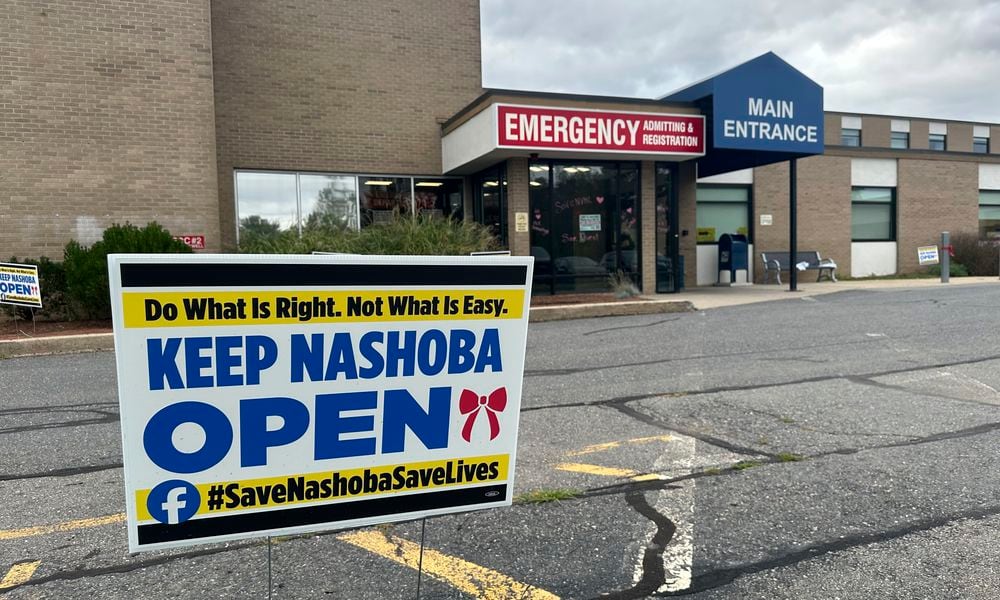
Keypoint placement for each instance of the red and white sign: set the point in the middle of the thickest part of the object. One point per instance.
(536, 127)
(196, 242)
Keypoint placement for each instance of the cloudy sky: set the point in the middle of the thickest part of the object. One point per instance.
(914, 58)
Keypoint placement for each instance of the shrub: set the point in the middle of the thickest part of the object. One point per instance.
(402, 235)
(980, 258)
(955, 269)
(87, 268)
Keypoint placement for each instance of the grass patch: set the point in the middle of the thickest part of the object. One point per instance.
(712, 471)
(788, 457)
(787, 420)
(543, 496)
(743, 465)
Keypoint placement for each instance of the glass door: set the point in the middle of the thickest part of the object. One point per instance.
(584, 224)
(669, 271)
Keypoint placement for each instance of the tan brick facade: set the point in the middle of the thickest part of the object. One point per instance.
(109, 119)
(338, 85)
(934, 196)
(823, 209)
(518, 200)
(875, 131)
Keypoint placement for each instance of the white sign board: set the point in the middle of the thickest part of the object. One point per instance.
(19, 285)
(266, 395)
(590, 222)
(766, 220)
(927, 255)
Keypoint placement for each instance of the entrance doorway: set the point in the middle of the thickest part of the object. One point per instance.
(584, 225)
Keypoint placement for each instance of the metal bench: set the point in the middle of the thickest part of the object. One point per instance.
(776, 262)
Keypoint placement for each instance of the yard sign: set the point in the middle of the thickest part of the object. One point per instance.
(265, 395)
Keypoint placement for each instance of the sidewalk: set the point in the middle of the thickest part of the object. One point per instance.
(702, 298)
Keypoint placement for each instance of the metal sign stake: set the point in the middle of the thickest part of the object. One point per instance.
(269, 585)
(420, 560)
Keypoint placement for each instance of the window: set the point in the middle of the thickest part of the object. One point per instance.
(722, 209)
(438, 198)
(270, 202)
(873, 214)
(329, 201)
(900, 139)
(989, 215)
(491, 200)
(981, 145)
(937, 141)
(850, 137)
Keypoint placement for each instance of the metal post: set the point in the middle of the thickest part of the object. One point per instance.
(793, 238)
(945, 257)
(420, 561)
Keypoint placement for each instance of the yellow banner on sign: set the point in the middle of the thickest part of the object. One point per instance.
(258, 307)
(290, 490)
(706, 234)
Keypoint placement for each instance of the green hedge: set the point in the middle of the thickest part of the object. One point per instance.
(86, 268)
(403, 235)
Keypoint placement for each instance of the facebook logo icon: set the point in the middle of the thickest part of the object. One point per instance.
(173, 501)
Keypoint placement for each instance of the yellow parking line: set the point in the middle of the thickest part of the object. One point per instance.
(610, 445)
(473, 579)
(19, 574)
(606, 471)
(13, 534)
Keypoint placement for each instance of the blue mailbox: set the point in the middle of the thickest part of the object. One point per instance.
(734, 256)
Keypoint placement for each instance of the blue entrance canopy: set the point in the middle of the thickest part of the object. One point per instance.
(760, 112)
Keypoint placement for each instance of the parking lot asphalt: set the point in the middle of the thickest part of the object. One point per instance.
(841, 445)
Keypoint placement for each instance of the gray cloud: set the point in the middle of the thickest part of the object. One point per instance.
(919, 58)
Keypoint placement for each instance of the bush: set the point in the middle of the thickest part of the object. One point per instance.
(980, 258)
(403, 235)
(955, 269)
(55, 301)
(86, 269)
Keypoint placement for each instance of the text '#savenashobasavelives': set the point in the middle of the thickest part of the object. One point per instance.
(254, 407)
(180, 309)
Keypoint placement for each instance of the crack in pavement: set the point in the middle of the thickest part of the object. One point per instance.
(127, 567)
(721, 577)
(24, 410)
(653, 575)
(646, 363)
(104, 418)
(701, 437)
(762, 386)
(643, 326)
(862, 380)
(67, 472)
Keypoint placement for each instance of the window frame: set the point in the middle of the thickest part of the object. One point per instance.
(855, 134)
(892, 212)
(903, 136)
(985, 143)
(995, 203)
(933, 137)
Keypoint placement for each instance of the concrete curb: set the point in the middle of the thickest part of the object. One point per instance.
(57, 344)
(564, 312)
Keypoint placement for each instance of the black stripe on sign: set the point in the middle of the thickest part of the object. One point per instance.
(194, 529)
(300, 274)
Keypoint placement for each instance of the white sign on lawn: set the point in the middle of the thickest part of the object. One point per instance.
(277, 395)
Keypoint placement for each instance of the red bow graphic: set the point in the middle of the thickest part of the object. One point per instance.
(470, 403)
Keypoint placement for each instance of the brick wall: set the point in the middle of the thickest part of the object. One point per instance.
(934, 196)
(823, 207)
(518, 200)
(105, 116)
(338, 85)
